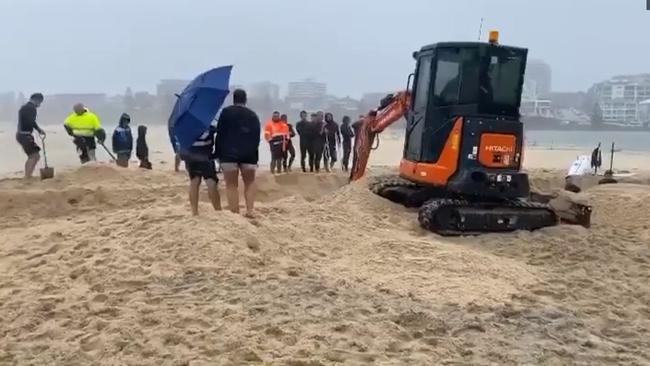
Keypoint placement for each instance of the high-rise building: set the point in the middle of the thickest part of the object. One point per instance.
(306, 94)
(620, 97)
(537, 81)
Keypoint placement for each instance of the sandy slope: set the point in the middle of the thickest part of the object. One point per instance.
(104, 267)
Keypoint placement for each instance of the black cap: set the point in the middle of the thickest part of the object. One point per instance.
(37, 96)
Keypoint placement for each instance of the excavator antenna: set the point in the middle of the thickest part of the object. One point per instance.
(480, 29)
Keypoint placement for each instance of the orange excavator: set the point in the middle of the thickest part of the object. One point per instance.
(463, 146)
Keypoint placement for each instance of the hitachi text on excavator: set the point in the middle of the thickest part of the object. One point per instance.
(462, 158)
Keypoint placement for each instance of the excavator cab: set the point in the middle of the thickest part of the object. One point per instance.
(463, 129)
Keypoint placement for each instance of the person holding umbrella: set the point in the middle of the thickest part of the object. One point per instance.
(191, 128)
(199, 163)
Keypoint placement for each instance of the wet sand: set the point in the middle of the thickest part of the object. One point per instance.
(102, 266)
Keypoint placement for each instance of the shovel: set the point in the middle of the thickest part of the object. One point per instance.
(108, 151)
(46, 171)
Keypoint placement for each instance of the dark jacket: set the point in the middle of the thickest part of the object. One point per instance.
(332, 132)
(302, 128)
(238, 135)
(346, 132)
(27, 119)
(141, 148)
(122, 136)
(202, 149)
(292, 132)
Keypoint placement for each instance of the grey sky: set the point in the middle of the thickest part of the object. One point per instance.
(355, 46)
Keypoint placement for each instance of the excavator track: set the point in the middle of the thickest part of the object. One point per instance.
(449, 215)
(454, 217)
(400, 190)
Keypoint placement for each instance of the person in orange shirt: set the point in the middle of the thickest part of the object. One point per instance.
(276, 132)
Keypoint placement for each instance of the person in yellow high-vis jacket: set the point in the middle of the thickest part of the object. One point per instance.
(84, 126)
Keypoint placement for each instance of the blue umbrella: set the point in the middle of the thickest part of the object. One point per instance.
(197, 106)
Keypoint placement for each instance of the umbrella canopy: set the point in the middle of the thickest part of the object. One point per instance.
(197, 106)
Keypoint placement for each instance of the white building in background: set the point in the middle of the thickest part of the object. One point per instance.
(536, 108)
(620, 98)
(644, 112)
(536, 88)
(306, 94)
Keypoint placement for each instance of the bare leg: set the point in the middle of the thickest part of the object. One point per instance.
(248, 176)
(30, 164)
(177, 162)
(195, 183)
(213, 193)
(232, 189)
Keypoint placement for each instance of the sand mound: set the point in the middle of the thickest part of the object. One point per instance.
(104, 187)
(326, 274)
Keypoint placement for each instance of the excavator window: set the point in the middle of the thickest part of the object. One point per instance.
(423, 82)
(504, 75)
(419, 106)
(447, 82)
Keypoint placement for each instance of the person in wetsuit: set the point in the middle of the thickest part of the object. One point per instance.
(318, 141)
(305, 133)
(356, 128)
(142, 149)
(346, 136)
(332, 139)
(25, 132)
(290, 151)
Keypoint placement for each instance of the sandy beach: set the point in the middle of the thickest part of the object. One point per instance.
(104, 266)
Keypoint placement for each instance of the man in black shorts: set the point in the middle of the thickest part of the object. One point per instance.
(199, 162)
(25, 133)
(238, 141)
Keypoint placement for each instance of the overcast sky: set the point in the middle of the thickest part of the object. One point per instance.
(354, 46)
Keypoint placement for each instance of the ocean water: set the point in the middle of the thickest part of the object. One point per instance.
(625, 141)
(61, 152)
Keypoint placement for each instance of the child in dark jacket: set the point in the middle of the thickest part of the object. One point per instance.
(141, 148)
(123, 141)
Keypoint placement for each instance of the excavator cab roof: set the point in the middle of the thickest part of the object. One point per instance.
(476, 77)
(484, 45)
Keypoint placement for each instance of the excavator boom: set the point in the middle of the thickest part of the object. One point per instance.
(392, 110)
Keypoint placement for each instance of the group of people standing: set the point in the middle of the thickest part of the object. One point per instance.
(233, 142)
(319, 138)
(86, 131)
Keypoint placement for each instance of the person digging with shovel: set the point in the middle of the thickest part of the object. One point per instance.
(83, 126)
(25, 132)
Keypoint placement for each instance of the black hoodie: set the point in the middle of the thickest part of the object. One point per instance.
(141, 148)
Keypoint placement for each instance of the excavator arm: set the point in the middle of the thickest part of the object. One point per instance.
(392, 108)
